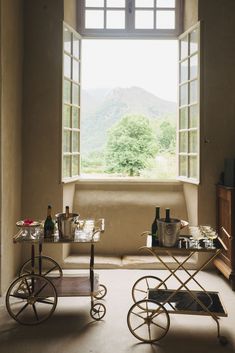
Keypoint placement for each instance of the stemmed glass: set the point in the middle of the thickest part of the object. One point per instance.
(209, 234)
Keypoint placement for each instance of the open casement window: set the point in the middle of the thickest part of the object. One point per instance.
(129, 18)
(71, 104)
(189, 110)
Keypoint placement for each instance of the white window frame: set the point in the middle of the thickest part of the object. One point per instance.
(129, 31)
(187, 154)
(71, 154)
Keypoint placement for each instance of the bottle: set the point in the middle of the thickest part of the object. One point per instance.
(167, 219)
(154, 230)
(48, 224)
(67, 212)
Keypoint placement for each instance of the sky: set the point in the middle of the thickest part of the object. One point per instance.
(149, 64)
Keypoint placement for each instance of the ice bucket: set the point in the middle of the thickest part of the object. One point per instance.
(168, 232)
(66, 225)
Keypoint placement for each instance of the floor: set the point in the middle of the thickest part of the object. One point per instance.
(72, 330)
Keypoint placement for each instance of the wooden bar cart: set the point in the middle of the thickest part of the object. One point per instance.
(32, 297)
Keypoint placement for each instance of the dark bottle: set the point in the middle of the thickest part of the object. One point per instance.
(67, 212)
(154, 230)
(48, 224)
(168, 219)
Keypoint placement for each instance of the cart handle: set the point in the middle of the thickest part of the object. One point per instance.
(222, 243)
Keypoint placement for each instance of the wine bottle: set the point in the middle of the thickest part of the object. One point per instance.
(67, 212)
(49, 224)
(154, 230)
(168, 219)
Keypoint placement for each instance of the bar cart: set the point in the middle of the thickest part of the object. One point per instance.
(148, 318)
(32, 297)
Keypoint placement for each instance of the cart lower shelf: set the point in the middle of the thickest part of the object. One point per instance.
(183, 303)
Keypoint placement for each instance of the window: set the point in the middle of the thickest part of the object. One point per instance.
(188, 128)
(71, 105)
(115, 18)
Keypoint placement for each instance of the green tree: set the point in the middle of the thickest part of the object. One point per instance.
(167, 137)
(131, 145)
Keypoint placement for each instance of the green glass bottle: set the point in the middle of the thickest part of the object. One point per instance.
(154, 229)
(48, 224)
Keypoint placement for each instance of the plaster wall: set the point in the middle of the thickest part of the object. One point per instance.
(190, 13)
(217, 99)
(11, 122)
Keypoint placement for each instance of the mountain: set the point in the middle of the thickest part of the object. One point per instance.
(101, 109)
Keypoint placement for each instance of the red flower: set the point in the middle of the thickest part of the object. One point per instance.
(28, 221)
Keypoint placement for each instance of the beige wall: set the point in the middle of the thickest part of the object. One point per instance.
(190, 13)
(11, 116)
(42, 107)
(217, 98)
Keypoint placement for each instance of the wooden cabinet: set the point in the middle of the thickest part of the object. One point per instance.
(225, 262)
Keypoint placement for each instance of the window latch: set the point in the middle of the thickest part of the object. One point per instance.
(130, 6)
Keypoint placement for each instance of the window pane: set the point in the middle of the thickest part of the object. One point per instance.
(193, 116)
(94, 19)
(115, 19)
(76, 52)
(67, 110)
(67, 141)
(75, 70)
(184, 71)
(193, 144)
(75, 94)
(193, 167)
(183, 94)
(75, 141)
(144, 3)
(67, 40)
(66, 166)
(75, 165)
(184, 47)
(67, 91)
(67, 66)
(165, 3)
(193, 91)
(183, 166)
(193, 66)
(75, 112)
(165, 19)
(184, 118)
(94, 3)
(143, 19)
(183, 141)
(193, 38)
(115, 3)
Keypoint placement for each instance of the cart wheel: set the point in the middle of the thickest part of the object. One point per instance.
(142, 285)
(223, 340)
(31, 299)
(102, 291)
(97, 312)
(148, 320)
(49, 267)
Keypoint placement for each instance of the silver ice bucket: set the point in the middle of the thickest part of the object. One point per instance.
(168, 232)
(67, 226)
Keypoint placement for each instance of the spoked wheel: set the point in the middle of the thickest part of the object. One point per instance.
(49, 267)
(31, 299)
(102, 291)
(148, 320)
(141, 287)
(97, 312)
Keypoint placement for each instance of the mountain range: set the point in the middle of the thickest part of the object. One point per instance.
(102, 108)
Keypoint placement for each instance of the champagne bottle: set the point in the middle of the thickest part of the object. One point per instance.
(67, 212)
(48, 224)
(154, 230)
(168, 219)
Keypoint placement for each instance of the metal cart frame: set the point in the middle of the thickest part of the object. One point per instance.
(32, 297)
(148, 318)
